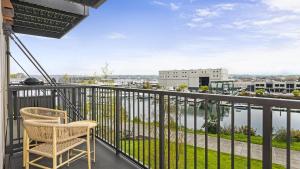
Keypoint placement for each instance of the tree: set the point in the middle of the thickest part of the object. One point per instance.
(204, 89)
(106, 71)
(296, 93)
(182, 87)
(260, 92)
(147, 85)
(66, 78)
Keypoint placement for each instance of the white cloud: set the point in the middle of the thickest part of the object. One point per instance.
(277, 20)
(200, 15)
(199, 25)
(160, 3)
(174, 7)
(205, 13)
(287, 5)
(225, 6)
(171, 6)
(116, 36)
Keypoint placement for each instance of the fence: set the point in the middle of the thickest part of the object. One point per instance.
(160, 129)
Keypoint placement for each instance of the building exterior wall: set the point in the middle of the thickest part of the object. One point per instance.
(173, 78)
(3, 91)
(271, 86)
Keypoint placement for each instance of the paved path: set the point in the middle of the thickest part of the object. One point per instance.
(278, 154)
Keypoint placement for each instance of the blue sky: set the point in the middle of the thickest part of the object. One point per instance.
(145, 36)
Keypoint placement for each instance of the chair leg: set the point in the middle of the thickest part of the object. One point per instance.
(94, 139)
(54, 162)
(68, 157)
(88, 146)
(26, 156)
(60, 159)
(24, 147)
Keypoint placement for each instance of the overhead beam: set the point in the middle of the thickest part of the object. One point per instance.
(49, 18)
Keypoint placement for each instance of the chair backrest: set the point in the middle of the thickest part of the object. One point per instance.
(40, 113)
(44, 130)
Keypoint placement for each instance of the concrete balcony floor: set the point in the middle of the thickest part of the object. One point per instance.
(105, 159)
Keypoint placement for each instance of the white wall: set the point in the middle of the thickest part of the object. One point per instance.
(3, 91)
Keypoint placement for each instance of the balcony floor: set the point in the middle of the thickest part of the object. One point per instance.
(105, 159)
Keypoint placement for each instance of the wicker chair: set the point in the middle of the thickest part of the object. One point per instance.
(40, 113)
(57, 140)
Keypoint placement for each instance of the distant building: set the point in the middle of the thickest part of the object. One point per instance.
(270, 86)
(193, 78)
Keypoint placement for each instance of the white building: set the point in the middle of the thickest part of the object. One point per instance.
(193, 78)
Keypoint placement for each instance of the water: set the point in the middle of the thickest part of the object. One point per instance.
(279, 117)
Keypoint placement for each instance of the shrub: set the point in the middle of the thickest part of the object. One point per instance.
(244, 130)
(211, 125)
(204, 88)
(281, 135)
(296, 93)
(147, 85)
(182, 87)
(244, 93)
(260, 92)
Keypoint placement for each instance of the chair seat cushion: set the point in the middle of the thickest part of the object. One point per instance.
(45, 149)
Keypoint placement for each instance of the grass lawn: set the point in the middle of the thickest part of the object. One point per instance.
(258, 140)
(240, 162)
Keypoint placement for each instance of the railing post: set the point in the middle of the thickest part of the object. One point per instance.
(10, 121)
(117, 130)
(161, 132)
(267, 137)
(74, 113)
(53, 98)
(93, 110)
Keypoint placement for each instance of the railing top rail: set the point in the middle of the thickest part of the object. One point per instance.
(286, 103)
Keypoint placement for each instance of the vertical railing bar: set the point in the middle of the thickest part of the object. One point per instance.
(169, 131)
(149, 130)
(155, 128)
(102, 113)
(185, 133)
(106, 116)
(195, 133)
(206, 133)
(133, 109)
(267, 137)
(161, 131)
(121, 122)
(125, 107)
(117, 121)
(138, 123)
(218, 136)
(176, 134)
(232, 134)
(143, 129)
(288, 142)
(249, 137)
(129, 121)
(112, 111)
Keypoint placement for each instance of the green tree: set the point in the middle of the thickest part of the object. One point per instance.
(147, 85)
(66, 78)
(260, 92)
(182, 87)
(296, 93)
(204, 89)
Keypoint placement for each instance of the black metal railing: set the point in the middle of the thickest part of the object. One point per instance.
(166, 130)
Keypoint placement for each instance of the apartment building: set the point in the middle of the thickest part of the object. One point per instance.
(194, 78)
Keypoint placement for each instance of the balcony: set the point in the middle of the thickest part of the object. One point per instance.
(161, 129)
